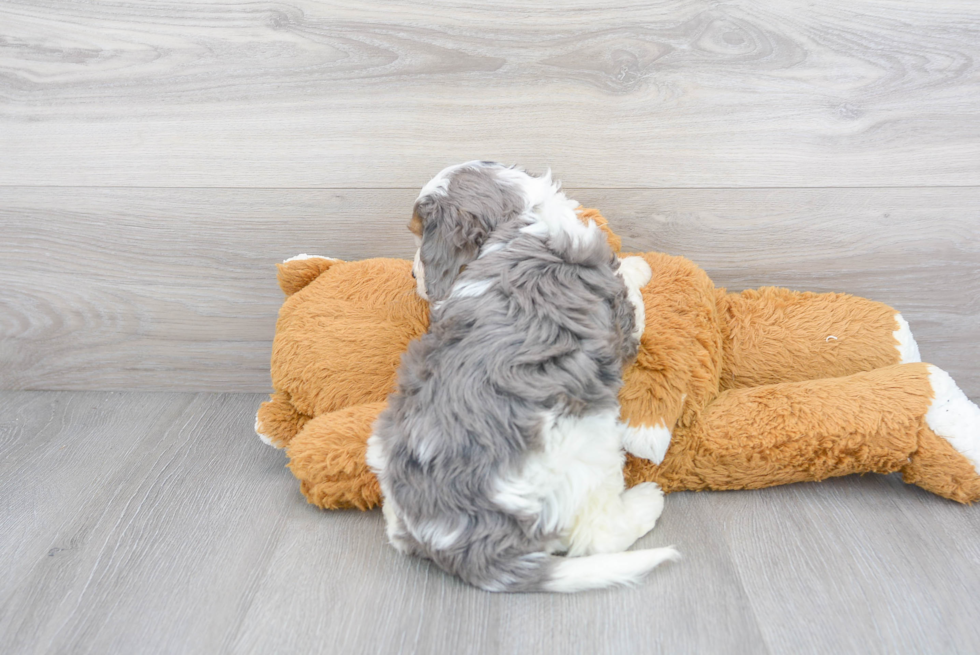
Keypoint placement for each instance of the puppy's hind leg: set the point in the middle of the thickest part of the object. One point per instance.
(609, 524)
(613, 519)
(644, 503)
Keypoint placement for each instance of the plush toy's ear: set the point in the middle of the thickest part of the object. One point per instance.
(588, 214)
(296, 272)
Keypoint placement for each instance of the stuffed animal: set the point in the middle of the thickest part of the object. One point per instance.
(744, 390)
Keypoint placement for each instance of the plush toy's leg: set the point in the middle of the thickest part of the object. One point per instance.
(297, 272)
(277, 420)
(774, 335)
(908, 417)
(947, 461)
(328, 458)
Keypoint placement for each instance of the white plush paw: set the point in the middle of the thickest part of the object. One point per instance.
(305, 256)
(908, 349)
(266, 439)
(647, 441)
(953, 416)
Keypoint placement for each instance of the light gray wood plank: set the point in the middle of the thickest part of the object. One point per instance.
(195, 540)
(612, 94)
(174, 289)
(697, 605)
(159, 551)
(161, 524)
(369, 598)
(857, 564)
(46, 440)
(165, 289)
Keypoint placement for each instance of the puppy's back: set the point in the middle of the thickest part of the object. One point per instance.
(536, 328)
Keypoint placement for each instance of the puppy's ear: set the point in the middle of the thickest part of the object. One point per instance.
(451, 239)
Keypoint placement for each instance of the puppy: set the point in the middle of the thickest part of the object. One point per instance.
(502, 444)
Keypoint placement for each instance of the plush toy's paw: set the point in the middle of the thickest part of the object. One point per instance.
(297, 272)
(947, 460)
(908, 349)
(636, 274)
(953, 417)
(647, 441)
(302, 257)
(266, 439)
(277, 421)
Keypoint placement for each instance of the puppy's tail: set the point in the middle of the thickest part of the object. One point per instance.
(543, 572)
(571, 574)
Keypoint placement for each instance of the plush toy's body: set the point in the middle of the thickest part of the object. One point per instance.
(753, 389)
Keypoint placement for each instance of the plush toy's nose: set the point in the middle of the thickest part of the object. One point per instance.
(413, 274)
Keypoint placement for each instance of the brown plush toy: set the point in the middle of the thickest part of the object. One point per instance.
(747, 390)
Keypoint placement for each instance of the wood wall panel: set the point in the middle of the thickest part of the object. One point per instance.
(174, 289)
(334, 94)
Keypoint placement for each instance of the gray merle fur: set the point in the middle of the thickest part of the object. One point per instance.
(551, 333)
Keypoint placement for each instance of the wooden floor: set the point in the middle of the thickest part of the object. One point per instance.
(157, 160)
(158, 523)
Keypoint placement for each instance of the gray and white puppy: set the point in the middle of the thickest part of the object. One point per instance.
(502, 444)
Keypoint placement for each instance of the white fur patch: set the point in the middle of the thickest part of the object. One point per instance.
(305, 256)
(394, 525)
(439, 185)
(597, 571)
(954, 417)
(470, 289)
(492, 248)
(908, 349)
(377, 460)
(610, 522)
(636, 274)
(647, 441)
(266, 439)
(375, 457)
(421, 445)
(418, 269)
(551, 212)
(574, 487)
(438, 534)
(581, 457)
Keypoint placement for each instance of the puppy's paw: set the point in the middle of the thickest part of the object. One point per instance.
(645, 502)
(647, 441)
(635, 271)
